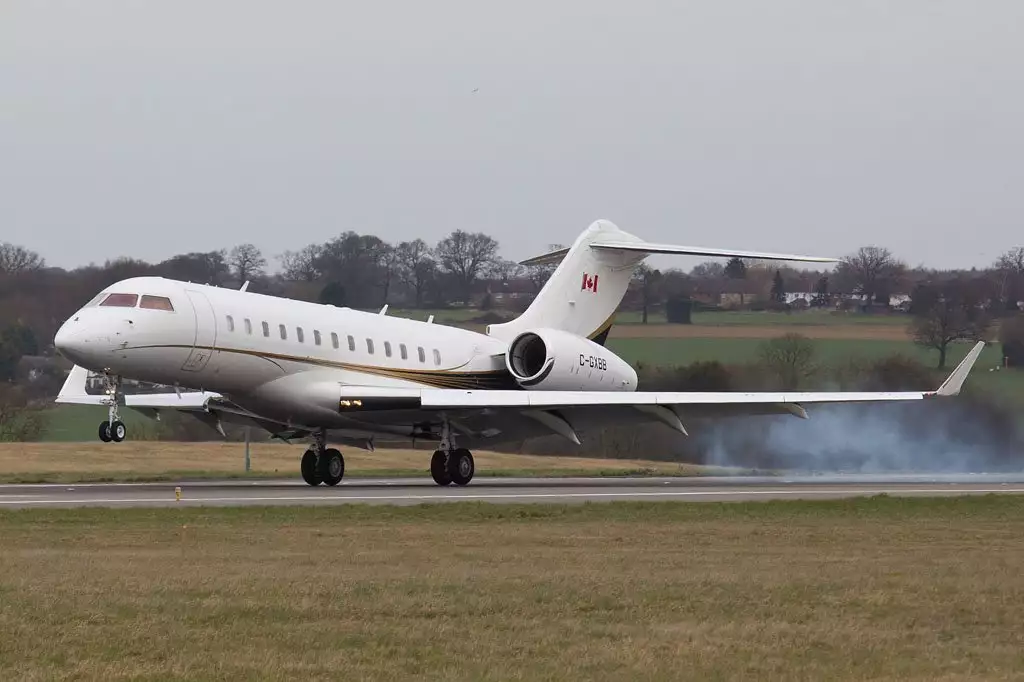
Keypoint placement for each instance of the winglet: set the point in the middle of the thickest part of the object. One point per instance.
(952, 385)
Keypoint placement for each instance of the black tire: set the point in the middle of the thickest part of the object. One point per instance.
(439, 468)
(332, 467)
(310, 474)
(461, 466)
(118, 431)
(105, 431)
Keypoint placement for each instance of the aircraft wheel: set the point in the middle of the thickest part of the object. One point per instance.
(310, 474)
(461, 466)
(439, 468)
(118, 431)
(105, 432)
(331, 467)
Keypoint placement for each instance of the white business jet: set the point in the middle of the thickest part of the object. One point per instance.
(303, 370)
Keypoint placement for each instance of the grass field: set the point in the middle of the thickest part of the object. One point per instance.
(164, 461)
(921, 589)
(719, 318)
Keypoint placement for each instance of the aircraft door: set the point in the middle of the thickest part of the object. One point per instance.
(206, 332)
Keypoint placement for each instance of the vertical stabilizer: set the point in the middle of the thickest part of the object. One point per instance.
(585, 290)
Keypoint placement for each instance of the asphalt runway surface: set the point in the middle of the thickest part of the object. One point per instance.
(407, 491)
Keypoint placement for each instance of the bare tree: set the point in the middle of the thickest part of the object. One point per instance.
(790, 358)
(20, 420)
(15, 259)
(540, 274)
(416, 267)
(209, 267)
(504, 270)
(648, 279)
(301, 265)
(465, 255)
(952, 311)
(872, 272)
(389, 267)
(247, 261)
(1010, 267)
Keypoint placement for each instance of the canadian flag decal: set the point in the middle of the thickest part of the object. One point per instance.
(589, 282)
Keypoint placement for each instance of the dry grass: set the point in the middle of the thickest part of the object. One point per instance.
(894, 589)
(153, 460)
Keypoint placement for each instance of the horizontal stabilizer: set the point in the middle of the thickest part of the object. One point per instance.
(549, 258)
(649, 247)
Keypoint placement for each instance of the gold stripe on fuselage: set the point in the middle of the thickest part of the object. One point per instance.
(438, 378)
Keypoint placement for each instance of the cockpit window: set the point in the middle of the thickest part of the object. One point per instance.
(121, 300)
(156, 303)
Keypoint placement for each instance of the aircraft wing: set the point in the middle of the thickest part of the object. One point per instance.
(73, 393)
(562, 411)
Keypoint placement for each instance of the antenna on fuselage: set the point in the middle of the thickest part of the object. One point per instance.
(245, 286)
(384, 310)
(430, 319)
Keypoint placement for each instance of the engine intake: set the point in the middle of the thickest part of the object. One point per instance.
(554, 360)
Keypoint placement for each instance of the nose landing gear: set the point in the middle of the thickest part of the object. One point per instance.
(113, 429)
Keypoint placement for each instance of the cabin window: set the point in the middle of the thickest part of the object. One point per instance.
(266, 329)
(284, 331)
(156, 303)
(423, 355)
(403, 351)
(121, 300)
(316, 336)
(369, 346)
(351, 343)
(437, 357)
(231, 323)
(387, 348)
(248, 326)
(334, 339)
(299, 335)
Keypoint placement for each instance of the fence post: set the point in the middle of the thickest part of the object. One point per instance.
(246, 449)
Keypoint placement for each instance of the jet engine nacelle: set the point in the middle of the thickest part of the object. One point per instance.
(554, 360)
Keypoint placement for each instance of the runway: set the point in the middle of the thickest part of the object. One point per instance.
(408, 491)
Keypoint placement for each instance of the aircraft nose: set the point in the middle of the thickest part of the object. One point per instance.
(72, 341)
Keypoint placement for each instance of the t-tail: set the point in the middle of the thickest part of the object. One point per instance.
(592, 277)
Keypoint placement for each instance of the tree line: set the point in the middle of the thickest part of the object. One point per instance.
(466, 268)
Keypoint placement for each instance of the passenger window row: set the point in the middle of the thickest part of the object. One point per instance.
(300, 336)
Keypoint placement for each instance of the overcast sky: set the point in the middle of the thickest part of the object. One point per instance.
(150, 128)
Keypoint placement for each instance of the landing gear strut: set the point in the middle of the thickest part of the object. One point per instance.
(113, 429)
(450, 464)
(321, 464)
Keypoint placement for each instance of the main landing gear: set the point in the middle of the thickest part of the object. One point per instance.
(451, 464)
(321, 464)
(113, 429)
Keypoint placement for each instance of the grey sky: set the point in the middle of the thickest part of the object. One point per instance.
(149, 128)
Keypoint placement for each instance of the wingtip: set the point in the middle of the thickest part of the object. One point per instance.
(952, 385)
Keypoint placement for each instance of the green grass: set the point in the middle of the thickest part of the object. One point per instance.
(74, 423)
(883, 588)
(731, 318)
(665, 351)
(1006, 384)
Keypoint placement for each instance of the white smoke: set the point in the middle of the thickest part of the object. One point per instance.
(952, 437)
